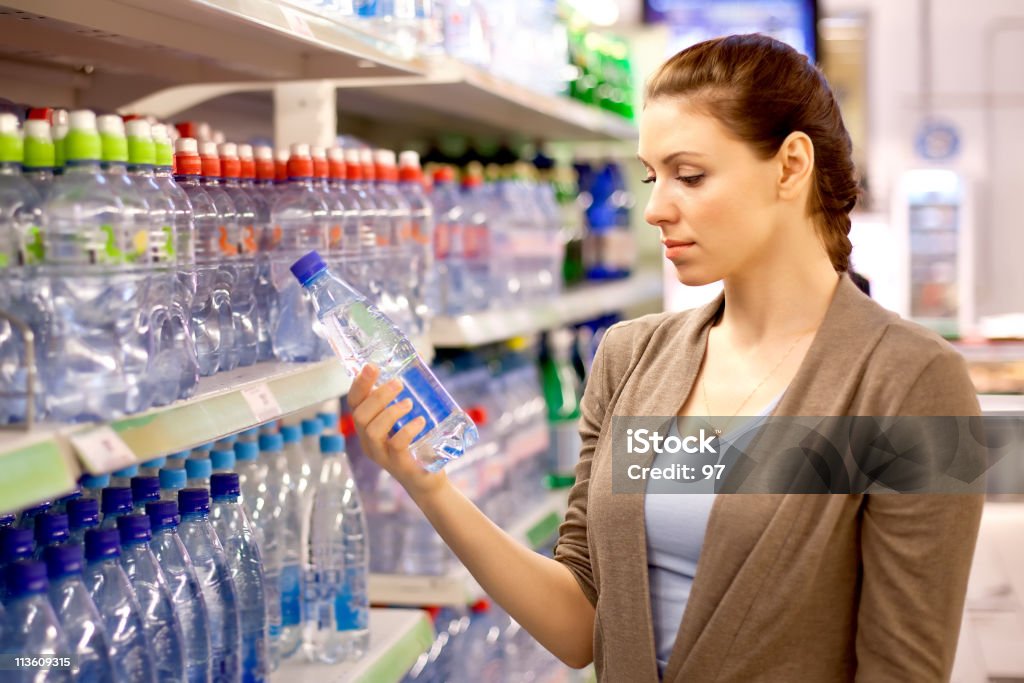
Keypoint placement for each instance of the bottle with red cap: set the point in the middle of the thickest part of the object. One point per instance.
(448, 242)
(300, 220)
(421, 222)
(351, 267)
(385, 260)
(476, 241)
(262, 190)
(243, 291)
(403, 251)
(374, 270)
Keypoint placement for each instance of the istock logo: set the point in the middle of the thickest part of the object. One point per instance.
(643, 441)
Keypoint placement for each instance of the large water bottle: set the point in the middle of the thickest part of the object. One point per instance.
(214, 574)
(243, 556)
(243, 294)
(296, 497)
(477, 249)
(405, 252)
(186, 593)
(262, 483)
(115, 600)
(83, 514)
(360, 334)
(78, 615)
(449, 231)
(372, 223)
(346, 259)
(260, 185)
(421, 212)
(116, 502)
(337, 602)
(160, 621)
(172, 480)
(31, 627)
(144, 490)
(51, 529)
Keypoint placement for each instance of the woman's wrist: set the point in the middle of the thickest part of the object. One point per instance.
(427, 487)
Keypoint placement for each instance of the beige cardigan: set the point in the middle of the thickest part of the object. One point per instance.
(788, 588)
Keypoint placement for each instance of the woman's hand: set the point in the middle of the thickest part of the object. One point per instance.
(374, 417)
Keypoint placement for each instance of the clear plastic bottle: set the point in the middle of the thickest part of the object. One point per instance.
(117, 502)
(360, 334)
(476, 244)
(39, 155)
(345, 254)
(404, 254)
(421, 212)
(78, 615)
(261, 188)
(112, 593)
(163, 630)
(144, 490)
(123, 476)
(262, 483)
(214, 574)
(31, 627)
(243, 556)
(186, 593)
(243, 294)
(296, 498)
(172, 480)
(372, 223)
(50, 529)
(336, 597)
(448, 243)
(83, 514)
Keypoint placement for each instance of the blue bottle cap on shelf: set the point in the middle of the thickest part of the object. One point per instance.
(95, 481)
(134, 529)
(63, 560)
(205, 448)
(51, 528)
(15, 544)
(193, 500)
(250, 433)
(116, 499)
(127, 472)
(37, 510)
(226, 443)
(6, 520)
(180, 455)
(332, 443)
(173, 479)
(271, 442)
(291, 433)
(224, 485)
(163, 514)
(329, 421)
(68, 498)
(102, 544)
(145, 489)
(198, 469)
(312, 427)
(223, 460)
(26, 577)
(155, 463)
(308, 267)
(246, 451)
(83, 513)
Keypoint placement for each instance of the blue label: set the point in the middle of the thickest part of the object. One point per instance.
(350, 613)
(291, 595)
(365, 8)
(427, 402)
(254, 666)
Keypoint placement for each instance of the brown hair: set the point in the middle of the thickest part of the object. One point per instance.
(762, 90)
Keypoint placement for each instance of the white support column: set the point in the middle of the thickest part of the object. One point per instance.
(305, 111)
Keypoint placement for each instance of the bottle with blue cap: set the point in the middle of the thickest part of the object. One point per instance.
(176, 461)
(261, 500)
(51, 529)
(336, 597)
(78, 615)
(123, 476)
(31, 627)
(144, 490)
(361, 334)
(296, 502)
(223, 460)
(7, 520)
(198, 469)
(83, 514)
(252, 434)
(243, 555)
(225, 444)
(163, 630)
(15, 545)
(112, 593)
(61, 504)
(151, 468)
(214, 574)
(116, 502)
(93, 485)
(172, 481)
(183, 584)
(28, 515)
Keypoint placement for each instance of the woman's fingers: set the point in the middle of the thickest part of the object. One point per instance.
(363, 385)
(404, 437)
(380, 426)
(375, 402)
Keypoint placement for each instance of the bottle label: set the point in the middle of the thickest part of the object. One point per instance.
(110, 254)
(247, 242)
(139, 247)
(291, 595)
(427, 401)
(169, 241)
(442, 241)
(34, 250)
(226, 247)
(351, 613)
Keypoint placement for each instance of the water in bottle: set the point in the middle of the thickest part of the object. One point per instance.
(344, 250)
(262, 484)
(405, 253)
(372, 225)
(183, 584)
(83, 514)
(115, 600)
(144, 490)
(421, 213)
(243, 556)
(160, 621)
(449, 229)
(78, 616)
(476, 244)
(218, 587)
(243, 293)
(360, 334)
(262, 190)
(31, 627)
(51, 529)
(116, 502)
(172, 481)
(296, 497)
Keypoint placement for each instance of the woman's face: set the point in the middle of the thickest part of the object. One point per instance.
(714, 201)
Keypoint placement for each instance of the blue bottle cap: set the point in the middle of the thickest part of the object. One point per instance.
(37, 510)
(26, 577)
(15, 544)
(180, 455)
(145, 489)
(163, 514)
(127, 472)
(68, 498)
(246, 451)
(155, 463)
(95, 481)
(205, 448)
(308, 267)
(198, 469)
(6, 520)
(83, 513)
(224, 485)
(226, 443)
(173, 479)
(63, 560)
(223, 460)
(329, 420)
(51, 528)
(116, 499)
(134, 529)
(312, 427)
(291, 433)
(193, 500)
(271, 442)
(250, 433)
(102, 544)
(332, 443)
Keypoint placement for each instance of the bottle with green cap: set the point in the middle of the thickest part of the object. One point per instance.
(39, 155)
(59, 130)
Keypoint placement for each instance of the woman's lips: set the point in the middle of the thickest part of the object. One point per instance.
(676, 248)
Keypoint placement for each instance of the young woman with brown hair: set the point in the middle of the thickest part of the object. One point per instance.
(753, 184)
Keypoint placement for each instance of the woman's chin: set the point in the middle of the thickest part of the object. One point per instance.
(695, 277)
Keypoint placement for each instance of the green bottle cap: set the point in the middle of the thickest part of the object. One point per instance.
(59, 134)
(164, 153)
(114, 148)
(141, 151)
(82, 143)
(39, 149)
(11, 145)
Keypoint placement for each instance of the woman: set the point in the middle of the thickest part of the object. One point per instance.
(752, 184)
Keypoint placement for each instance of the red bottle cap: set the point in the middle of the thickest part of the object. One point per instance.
(445, 174)
(40, 114)
(478, 414)
(300, 165)
(186, 157)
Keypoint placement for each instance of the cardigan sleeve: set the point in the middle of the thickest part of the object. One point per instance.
(916, 552)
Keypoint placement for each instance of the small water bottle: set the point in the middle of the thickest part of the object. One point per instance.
(172, 481)
(151, 468)
(83, 514)
(61, 504)
(223, 460)
(144, 490)
(51, 529)
(93, 484)
(7, 521)
(31, 627)
(123, 477)
(28, 515)
(117, 502)
(361, 334)
(15, 545)
(198, 470)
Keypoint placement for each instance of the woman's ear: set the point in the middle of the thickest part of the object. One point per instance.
(796, 163)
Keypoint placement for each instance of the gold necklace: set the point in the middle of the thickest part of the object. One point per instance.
(704, 386)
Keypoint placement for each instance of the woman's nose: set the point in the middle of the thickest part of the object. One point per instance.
(660, 210)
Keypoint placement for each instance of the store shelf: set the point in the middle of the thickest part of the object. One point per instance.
(397, 638)
(574, 306)
(1001, 404)
(459, 587)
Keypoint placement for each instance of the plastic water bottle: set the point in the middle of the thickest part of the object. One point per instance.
(31, 627)
(360, 334)
(262, 483)
(218, 587)
(160, 621)
(151, 468)
(144, 490)
(337, 621)
(172, 481)
(243, 293)
(112, 593)
(28, 515)
(183, 584)
(345, 256)
(93, 484)
(78, 615)
(448, 243)
(198, 470)
(243, 555)
(117, 502)
(372, 224)
(83, 514)
(39, 155)
(421, 212)
(51, 529)
(263, 193)
(61, 504)
(476, 244)
(296, 497)
(223, 460)
(15, 544)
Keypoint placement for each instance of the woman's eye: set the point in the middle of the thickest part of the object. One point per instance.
(648, 180)
(691, 180)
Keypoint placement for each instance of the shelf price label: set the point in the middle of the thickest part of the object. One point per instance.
(262, 402)
(102, 450)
